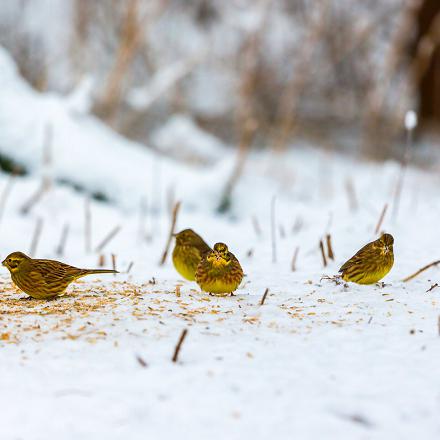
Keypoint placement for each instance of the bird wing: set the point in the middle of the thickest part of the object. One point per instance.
(54, 271)
(357, 258)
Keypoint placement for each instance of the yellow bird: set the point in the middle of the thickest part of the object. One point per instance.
(44, 279)
(187, 253)
(219, 272)
(370, 264)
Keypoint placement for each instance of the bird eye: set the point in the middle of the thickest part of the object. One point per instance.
(10, 260)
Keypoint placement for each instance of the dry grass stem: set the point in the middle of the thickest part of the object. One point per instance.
(36, 237)
(87, 226)
(256, 226)
(415, 274)
(63, 240)
(273, 229)
(351, 195)
(130, 266)
(263, 299)
(324, 259)
(109, 237)
(114, 263)
(179, 345)
(170, 235)
(294, 259)
(381, 218)
(330, 252)
(5, 194)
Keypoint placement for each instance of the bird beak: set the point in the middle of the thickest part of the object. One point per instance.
(4, 263)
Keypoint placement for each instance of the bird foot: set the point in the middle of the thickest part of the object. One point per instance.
(382, 285)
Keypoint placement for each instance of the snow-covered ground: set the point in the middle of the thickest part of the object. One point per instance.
(316, 361)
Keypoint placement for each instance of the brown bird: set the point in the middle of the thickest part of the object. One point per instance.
(44, 279)
(371, 263)
(219, 272)
(189, 250)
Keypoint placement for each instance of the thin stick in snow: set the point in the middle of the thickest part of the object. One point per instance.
(114, 263)
(109, 237)
(263, 299)
(295, 257)
(130, 266)
(428, 266)
(87, 226)
(179, 345)
(351, 194)
(330, 252)
(101, 260)
(63, 240)
(321, 247)
(36, 237)
(273, 229)
(256, 226)
(34, 199)
(170, 236)
(381, 218)
(141, 362)
(46, 180)
(5, 193)
(432, 287)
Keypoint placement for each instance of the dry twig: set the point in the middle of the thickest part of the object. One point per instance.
(273, 229)
(263, 299)
(130, 266)
(179, 345)
(381, 218)
(324, 259)
(432, 287)
(428, 266)
(87, 225)
(295, 257)
(170, 236)
(63, 240)
(36, 237)
(114, 263)
(330, 252)
(351, 194)
(256, 226)
(107, 239)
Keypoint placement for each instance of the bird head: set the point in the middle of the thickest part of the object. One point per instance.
(387, 242)
(187, 237)
(14, 260)
(220, 256)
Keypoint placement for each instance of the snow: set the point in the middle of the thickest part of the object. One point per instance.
(317, 360)
(181, 138)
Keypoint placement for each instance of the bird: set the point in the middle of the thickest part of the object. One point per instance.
(44, 279)
(188, 252)
(219, 271)
(371, 263)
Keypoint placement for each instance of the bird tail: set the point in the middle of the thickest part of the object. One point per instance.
(85, 272)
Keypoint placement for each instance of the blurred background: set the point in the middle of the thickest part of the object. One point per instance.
(339, 74)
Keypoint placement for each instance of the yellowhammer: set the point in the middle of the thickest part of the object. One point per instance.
(219, 272)
(370, 264)
(44, 279)
(188, 252)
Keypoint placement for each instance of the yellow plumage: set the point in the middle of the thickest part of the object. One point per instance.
(188, 252)
(371, 263)
(219, 272)
(44, 279)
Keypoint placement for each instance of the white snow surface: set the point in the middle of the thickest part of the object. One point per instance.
(317, 360)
